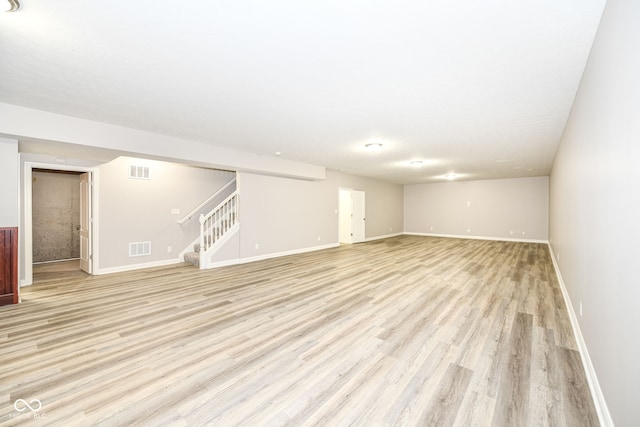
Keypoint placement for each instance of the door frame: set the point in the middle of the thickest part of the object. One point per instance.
(27, 218)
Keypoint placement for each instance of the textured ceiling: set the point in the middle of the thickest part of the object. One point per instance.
(482, 89)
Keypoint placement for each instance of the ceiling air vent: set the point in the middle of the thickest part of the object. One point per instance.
(139, 172)
(139, 249)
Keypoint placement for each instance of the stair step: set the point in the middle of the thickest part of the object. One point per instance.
(192, 258)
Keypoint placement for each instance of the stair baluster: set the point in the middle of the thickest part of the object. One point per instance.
(216, 224)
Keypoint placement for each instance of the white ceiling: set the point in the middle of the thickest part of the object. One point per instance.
(482, 89)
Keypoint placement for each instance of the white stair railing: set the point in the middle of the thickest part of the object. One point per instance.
(195, 210)
(215, 224)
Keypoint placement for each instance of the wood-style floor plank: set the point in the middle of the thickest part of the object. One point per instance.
(406, 331)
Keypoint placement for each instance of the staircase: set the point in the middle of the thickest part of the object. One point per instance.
(216, 227)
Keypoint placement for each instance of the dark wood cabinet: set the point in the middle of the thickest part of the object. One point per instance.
(8, 265)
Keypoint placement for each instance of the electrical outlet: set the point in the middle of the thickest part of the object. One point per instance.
(318, 238)
(257, 246)
(169, 249)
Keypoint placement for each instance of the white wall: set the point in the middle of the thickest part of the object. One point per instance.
(384, 203)
(288, 215)
(139, 210)
(280, 214)
(595, 208)
(9, 182)
(499, 208)
(28, 123)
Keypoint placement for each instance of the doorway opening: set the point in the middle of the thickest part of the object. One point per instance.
(351, 221)
(58, 227)
(55, 215)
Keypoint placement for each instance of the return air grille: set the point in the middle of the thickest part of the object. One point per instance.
(139, 172)
(139, 249)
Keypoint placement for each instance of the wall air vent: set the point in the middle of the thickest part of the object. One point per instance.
(139, 172)
(139, 249)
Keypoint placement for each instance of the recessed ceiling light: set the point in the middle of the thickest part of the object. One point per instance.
(450, 176)
(10, 5)
(374, 146)
(278, 153)
(416, 163)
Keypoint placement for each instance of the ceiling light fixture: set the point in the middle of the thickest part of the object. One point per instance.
(450, 176)
(416, 163)
(374, 146)
(11, 5)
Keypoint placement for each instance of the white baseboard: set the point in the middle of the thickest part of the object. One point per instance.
(386, 236)
(596, 392)
(271, 255)
(292, 252)
(461, 236)
(123, 268)
(285, 253)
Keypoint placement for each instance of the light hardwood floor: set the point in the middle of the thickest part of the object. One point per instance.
(412, 331)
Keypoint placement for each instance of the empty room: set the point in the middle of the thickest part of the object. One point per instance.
(326, 213)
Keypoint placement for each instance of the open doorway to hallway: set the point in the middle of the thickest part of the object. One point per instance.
(57, 221)
(55, 215)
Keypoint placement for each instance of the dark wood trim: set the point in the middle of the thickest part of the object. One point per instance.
(9, 265)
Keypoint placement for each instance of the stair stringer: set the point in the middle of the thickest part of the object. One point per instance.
(225, 250)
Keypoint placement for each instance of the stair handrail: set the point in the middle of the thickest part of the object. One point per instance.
(230, 208)
(195, 210)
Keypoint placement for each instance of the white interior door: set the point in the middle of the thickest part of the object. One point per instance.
(85, 223)
(358, 216)
(344, 220)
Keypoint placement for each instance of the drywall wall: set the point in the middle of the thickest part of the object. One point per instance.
(595, 206)
(55, 215)
(384, 205)
(499, 208)
(280, 215)
(9, 182)
(283, 215)
(140, 210)
(28, 123)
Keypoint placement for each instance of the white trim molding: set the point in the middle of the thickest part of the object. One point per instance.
(386, 236)
(272, 255)
(26, 222)
(596, 392)
(131, 267)
(462, 236)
